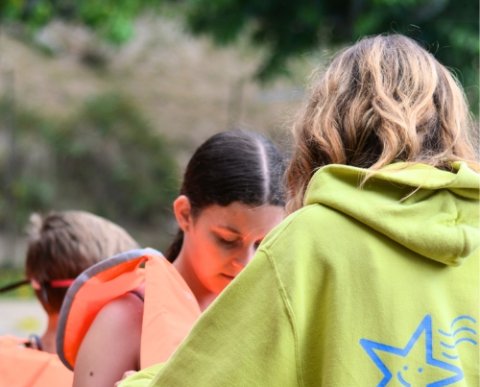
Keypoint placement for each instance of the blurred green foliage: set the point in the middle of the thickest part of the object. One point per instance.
(112, 19)
(447, 28)
(286, 29)
(105, 159)
(134, 171)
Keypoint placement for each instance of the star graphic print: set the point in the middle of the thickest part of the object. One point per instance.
(414, 364)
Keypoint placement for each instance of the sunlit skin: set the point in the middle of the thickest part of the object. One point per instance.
(219, 242)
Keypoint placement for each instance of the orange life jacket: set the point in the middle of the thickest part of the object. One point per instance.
(170, 308)
(25, 367)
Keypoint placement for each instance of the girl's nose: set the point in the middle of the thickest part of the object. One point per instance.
(246, 256)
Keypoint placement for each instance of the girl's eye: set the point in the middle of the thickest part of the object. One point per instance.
(228, 242)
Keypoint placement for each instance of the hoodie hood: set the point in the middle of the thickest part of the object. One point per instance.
(432, 212)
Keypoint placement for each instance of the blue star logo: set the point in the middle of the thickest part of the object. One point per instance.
(418, 365)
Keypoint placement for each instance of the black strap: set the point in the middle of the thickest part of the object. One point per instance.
(14, 285)
(34, 342)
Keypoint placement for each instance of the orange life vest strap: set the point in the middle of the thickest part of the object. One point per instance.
(170, 311)
(170, 307)
(91, 291)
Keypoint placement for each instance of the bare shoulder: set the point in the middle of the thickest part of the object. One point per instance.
(114, 320)
(125, 310)
(117, 329)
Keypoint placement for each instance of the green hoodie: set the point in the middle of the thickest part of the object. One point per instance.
(370, 286)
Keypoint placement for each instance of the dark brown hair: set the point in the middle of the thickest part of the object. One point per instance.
(232, 166)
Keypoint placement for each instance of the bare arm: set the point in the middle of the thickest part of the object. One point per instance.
(111, 345)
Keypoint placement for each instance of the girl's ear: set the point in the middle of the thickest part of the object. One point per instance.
(183, 212)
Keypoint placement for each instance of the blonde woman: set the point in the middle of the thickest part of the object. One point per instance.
(374, 279)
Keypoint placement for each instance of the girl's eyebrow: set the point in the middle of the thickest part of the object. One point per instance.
(227, 228)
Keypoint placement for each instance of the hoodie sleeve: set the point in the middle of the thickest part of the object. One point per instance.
(244, 338)
(140, 379)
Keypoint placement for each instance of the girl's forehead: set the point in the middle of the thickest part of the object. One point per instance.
(241, 218)
(235, 210)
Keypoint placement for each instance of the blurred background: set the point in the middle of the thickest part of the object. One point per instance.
(103, 101)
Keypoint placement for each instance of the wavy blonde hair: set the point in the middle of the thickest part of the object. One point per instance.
(382, 100)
